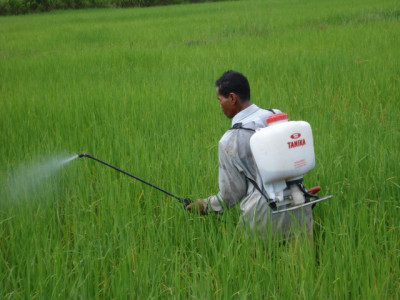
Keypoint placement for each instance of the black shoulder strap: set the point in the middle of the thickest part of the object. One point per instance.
(271, 110)
(271, 203)
(240, 126)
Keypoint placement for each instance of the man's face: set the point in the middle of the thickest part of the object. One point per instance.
(227, 105)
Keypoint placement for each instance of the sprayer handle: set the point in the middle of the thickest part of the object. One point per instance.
(314, 190)
(185, 201)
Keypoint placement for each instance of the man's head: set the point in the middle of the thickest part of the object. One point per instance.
(233, 92)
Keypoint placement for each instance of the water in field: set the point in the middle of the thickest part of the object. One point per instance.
(34, 179)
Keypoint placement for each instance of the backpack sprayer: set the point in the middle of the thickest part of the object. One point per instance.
(283, 152)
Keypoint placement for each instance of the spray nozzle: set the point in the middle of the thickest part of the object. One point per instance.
(83, 155)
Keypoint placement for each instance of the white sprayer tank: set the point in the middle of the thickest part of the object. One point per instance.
(283, 150)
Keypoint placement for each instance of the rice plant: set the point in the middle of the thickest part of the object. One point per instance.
(134, 87)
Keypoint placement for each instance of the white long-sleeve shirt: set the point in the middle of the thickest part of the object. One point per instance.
(236, 165)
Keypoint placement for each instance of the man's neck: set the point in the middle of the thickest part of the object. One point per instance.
(243, 106)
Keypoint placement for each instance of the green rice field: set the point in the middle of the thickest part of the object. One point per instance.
(135, 88)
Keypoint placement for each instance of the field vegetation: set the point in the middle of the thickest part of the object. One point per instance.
(17, 7)
(134, 87)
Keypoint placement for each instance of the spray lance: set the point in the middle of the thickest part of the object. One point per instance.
(184, 201)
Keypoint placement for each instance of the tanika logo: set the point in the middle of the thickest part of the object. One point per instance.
(295, 136)
(297, 143)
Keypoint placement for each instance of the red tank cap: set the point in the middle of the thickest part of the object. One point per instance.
(277, 117)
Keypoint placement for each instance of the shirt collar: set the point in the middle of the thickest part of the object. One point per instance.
(244, 114)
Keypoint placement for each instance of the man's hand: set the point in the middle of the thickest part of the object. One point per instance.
(197, 207)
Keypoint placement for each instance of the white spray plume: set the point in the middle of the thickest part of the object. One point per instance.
(30, 179)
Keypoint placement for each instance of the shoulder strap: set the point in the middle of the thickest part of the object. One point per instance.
(271, 203)
(240, 126)
(271, 110)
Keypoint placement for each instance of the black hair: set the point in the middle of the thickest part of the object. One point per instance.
(234, 82)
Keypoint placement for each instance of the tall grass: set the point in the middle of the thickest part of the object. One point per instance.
(134, 87)
(16, 7)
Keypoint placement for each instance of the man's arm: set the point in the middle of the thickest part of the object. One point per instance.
(232, 182)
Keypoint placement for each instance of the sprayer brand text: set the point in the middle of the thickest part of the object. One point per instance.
(297, 143)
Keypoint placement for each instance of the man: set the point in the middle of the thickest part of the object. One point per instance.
(239, 178)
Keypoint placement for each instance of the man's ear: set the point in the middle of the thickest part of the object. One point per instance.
(233, 98)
